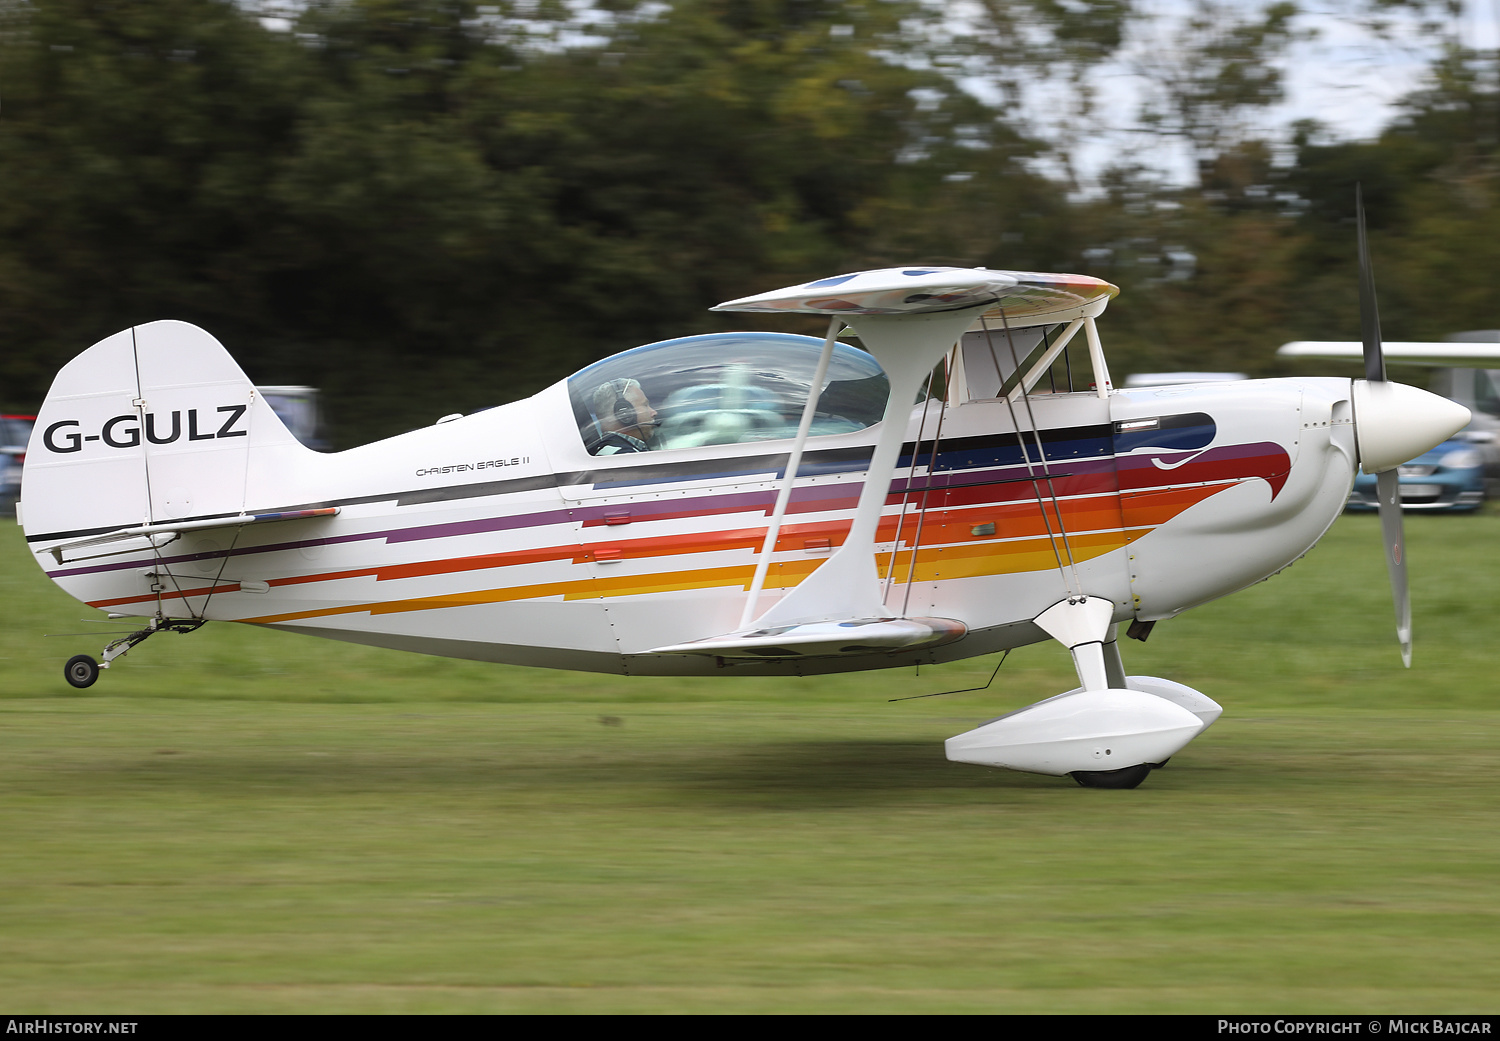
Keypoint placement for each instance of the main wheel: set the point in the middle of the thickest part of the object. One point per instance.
(1129, 777)
(81, 670)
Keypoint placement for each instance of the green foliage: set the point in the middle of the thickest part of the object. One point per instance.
(429, 206)
(137, 143)
(423, 208)
(250, 821)
(1218, 63)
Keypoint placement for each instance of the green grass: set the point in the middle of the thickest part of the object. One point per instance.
(241, 820)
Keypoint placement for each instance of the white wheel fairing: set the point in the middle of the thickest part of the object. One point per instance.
(1082, 730)
(1199, 704)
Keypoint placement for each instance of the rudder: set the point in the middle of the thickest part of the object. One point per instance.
(155, 423)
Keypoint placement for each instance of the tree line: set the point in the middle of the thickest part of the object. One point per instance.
(433, 206)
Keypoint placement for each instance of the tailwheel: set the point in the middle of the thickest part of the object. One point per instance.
(1129, 777)
(81, 671)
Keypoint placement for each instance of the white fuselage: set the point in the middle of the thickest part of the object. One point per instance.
(498, 537)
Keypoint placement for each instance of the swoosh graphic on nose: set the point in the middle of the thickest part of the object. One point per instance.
(1156, 460)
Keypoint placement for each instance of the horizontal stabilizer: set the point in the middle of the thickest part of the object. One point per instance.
(827, 639)
(148, 536)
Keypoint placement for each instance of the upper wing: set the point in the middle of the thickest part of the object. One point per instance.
(1411, 352)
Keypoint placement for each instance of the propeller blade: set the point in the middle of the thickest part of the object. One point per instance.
(1393, 535)
(1369, 314)
(1388, 482)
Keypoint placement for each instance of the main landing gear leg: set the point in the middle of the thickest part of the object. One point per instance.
(1114, 666)
(1110, 732)
(82, 671)
(1130, 776)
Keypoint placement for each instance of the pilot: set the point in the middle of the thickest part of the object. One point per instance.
(626, 418)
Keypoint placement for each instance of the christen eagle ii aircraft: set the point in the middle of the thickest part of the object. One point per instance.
(745, 503)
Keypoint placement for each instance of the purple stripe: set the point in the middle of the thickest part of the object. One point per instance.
(730, 503)
(739, 502)
(474, 527)
(1003, 474)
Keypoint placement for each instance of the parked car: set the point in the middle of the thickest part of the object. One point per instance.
(1450, 477)
(1461, 473)
(299, 409)
(15, 432)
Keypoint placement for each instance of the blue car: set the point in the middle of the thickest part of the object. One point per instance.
(15, 431)
(1450, 477)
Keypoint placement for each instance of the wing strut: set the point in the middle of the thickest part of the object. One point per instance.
(922, 492)
(908, 318)
(784, 493)
(1045, 361)
(847, 584)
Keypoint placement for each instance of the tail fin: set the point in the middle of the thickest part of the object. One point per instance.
(156, 423)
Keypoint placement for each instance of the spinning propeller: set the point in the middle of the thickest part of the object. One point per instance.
(1392, 424)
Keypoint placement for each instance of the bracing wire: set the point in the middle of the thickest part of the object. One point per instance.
(1026, 458)
(1042, 454)
(911, 480)
(213, 583)
(937, 437)
(223, 563)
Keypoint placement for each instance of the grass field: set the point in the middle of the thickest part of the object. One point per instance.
(239, 820)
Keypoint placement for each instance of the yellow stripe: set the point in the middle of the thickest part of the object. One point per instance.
(934, 564)
(588, 589)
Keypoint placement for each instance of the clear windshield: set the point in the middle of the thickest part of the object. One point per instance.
(721, 389)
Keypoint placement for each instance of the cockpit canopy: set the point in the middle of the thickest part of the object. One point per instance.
(726, 388)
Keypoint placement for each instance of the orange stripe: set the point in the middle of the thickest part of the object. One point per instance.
(1017, 520)
(1151, 509)
(586, 589)
(1011, 520)
(1020, 545)
(939, 563)
(980, 560)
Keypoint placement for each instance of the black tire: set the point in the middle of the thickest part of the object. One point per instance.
(81, 671)
(1129, 777)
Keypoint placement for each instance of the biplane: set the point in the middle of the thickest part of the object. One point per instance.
(965, 480)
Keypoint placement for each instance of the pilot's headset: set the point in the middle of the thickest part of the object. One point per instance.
(625, 413)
